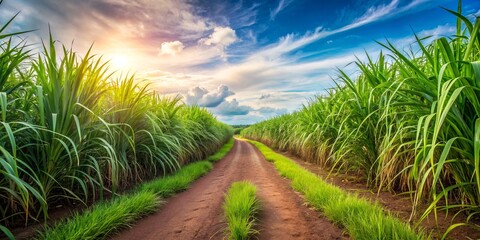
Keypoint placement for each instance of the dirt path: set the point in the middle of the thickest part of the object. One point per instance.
(198, 214)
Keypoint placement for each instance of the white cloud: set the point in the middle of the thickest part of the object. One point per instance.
(175, 56)
(282, 4)
(376, 12)
(289, 43)
(415, 3)
(223, 36)
(204, 98)
(281, 72)
(171, 48)
(231, 108)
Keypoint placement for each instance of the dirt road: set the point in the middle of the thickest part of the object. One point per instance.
(198, 214)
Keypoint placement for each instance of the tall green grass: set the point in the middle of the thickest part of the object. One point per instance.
(408, 123)
(71, 131)
(241, 205)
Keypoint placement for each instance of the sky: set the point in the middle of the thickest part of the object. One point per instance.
(246, 61)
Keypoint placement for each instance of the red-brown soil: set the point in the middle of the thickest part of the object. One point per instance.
(55, 215)
(399, 205)
(198, 214)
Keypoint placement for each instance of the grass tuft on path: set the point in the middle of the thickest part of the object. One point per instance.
(241, 205)
(362, 219)
(107, 217)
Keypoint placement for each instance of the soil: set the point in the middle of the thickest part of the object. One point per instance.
(197, 213)
(399, 205)
(56, 214)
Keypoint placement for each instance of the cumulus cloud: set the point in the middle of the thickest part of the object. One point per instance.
(232, 108)
(171, 48)
(223, 36)
(204, 98)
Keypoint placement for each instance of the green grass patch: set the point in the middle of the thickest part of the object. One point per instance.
(109, 216)
(104, 218)
(222, 152)
(241, 205)
(362, 219)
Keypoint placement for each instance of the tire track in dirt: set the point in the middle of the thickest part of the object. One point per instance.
(197, 213)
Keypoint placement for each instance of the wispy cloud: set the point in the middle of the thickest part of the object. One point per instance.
(375, 12)
(291, 42)
(282, 4)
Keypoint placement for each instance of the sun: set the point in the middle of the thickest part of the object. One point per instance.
(119, 62)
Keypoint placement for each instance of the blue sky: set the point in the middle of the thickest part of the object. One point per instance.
(244, 60)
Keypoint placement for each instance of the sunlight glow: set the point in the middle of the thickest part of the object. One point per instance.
(119, 62)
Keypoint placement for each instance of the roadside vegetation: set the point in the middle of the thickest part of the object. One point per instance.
(362, 219)
(408, 123)
(72, 131)
(169, 185)
(109, 216)
(222, 152)
(238, 128)
(241, 205)
(104, 218)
